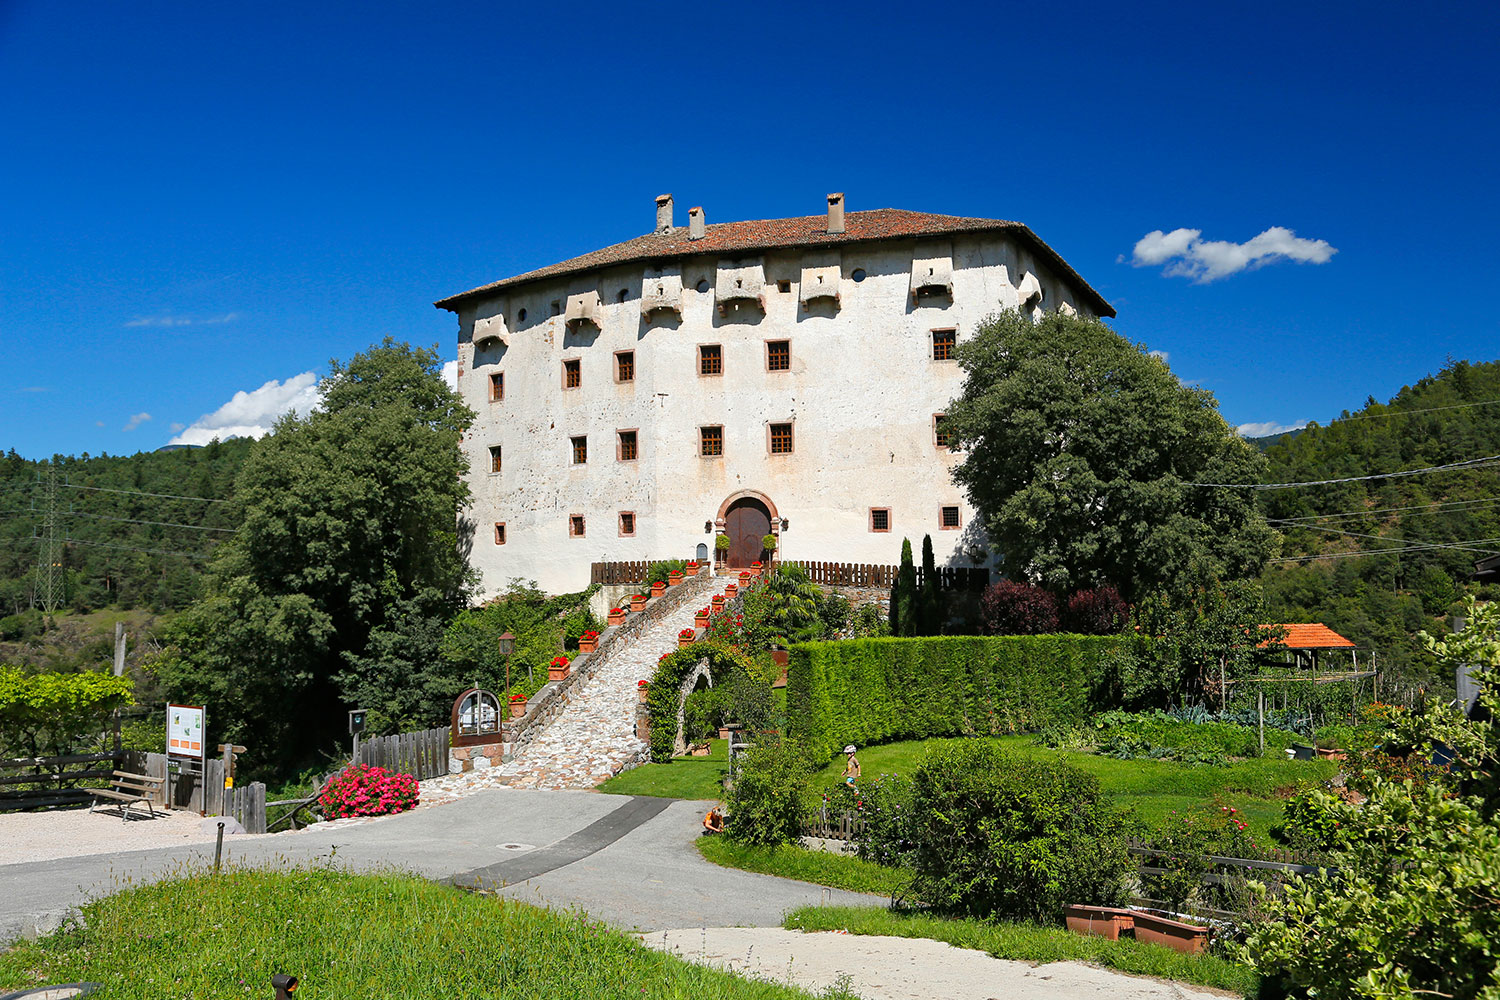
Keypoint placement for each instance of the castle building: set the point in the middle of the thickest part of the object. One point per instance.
(783, 377)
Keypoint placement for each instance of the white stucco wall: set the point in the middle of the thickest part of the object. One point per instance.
(861, 394)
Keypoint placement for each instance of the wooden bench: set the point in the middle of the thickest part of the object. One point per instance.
(128, 789)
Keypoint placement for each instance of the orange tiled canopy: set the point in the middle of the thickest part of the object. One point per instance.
(1315, 635)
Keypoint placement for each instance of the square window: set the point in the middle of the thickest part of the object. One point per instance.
(783, 286)
(572, 373)
(556, 307)
(629, 450)
(778, 355)
(575, 525)
(499, 532)
(625, 366)
(940, 430)
(497, 386)
(711, 441)
(495, 458)
(880, 519)
(580, 450)
(627, 523)
(710, 359)
(781, 439)
(949, 519)
(943, 343)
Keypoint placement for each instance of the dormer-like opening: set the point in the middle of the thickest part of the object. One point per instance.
(740, 283)
(584, 307)
(490, 328)
(821, 274)
(932, 271)
(661, 291)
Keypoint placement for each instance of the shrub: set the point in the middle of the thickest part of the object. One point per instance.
(768, 801)
(721, 543)
(1000, 835)
(884, 804)
(1188, 840)
(44, 714)
(1096, 612)
(658, 572)
(1013, 608)
(363, 790)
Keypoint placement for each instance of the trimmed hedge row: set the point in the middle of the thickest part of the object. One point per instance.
(864, 691)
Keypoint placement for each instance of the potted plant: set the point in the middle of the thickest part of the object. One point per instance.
(745, 577)
(675, 577)
(721, 549)
(692, 568)
(658, 587)
(616, 617)
(517, 705)
(637, 602)
(558, 669)
(701, 618)
(768, 542)
(686, 637)
(642, 687)
(588, 642)
(730, 589)
(717, 603)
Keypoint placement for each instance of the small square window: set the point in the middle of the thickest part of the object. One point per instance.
(499, 532)
(575, 525)
(625, 366)
(580, 450)
(943, 343)
(949, 519)
(556, 307)
(783, 286)
(778, 355)
(711, 441)
(880, 519)
(629, 450)
(627, 523)
(495, 458)
(781, 439)
(497, 386)
(940, 430)
(710, 359)
(572, 373)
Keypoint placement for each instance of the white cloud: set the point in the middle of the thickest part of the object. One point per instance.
(252, 414)
(135, 421)
(177, 426)
(167, 321)
(1165, 357)
(1268, 427)
(450, 374)
(1186, 254)
(98, 423)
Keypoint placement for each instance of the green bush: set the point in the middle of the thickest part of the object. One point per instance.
(768, 801)
(1188, 840)
(885, 806)
(658, 572)
(1000, 835)
(864, 691)
(46, 714)
(663, 691)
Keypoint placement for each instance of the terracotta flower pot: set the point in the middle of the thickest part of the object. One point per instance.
(1190, 939)
(1103, 921)
(642, 692)
(692, 569)
(700, 620)
(674, 578)
(658, 588)
(616, 619)
(637, 602)
(730, 589)
(683, 641)
(744, 578)
(587, 645)
(559, 673)
(517, 709)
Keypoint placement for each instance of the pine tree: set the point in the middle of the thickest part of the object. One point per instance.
(931, 603)
(905, 613)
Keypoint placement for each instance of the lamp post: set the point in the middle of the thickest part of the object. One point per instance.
(507, 646)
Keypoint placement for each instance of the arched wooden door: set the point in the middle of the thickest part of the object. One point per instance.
(747, 523)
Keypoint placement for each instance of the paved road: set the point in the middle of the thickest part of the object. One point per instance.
(629, 861)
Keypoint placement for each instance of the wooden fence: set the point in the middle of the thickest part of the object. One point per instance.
(35, 782)
(832, 574)
(845, 826)
(421, 754)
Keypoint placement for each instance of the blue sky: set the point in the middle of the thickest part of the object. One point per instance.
(200, 199)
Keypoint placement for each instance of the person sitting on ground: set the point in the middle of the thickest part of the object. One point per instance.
(851, 769)
(714, 821)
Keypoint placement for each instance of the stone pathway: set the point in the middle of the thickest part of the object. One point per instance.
(594, 737)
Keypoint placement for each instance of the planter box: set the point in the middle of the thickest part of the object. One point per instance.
(616, 620)
(641, 694)
(517, 709)
(1102, 921)
(638, 605)
(559, 673)
(730, 590)
(675, 577)
(587, 645)
(658, 588)
(686, 640)
(701, 621)
(1190, 939)
(1330, 754)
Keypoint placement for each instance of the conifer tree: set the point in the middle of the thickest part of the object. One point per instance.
(931, 601)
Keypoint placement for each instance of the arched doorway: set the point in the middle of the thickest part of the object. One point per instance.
(747, 521)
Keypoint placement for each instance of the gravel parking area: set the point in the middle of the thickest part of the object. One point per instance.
(68, 833)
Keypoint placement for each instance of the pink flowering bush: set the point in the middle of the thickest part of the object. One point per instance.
(364, 790)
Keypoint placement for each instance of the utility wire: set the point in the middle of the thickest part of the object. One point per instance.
(1373, 552)
(1385, 538)
(1403, 413)
(164, 524)
(1472, 463)
(138, 493)
(132, 548)
(1464, 504)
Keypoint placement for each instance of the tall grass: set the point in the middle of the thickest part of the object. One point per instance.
(356, 937)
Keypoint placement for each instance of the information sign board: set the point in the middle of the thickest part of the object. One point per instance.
(185, 732)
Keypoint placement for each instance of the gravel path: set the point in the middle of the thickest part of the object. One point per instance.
(895, 968)
(593, 738)
(64, 833)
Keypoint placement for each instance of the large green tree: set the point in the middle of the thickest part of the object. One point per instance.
(1082, 449)
(348, 563)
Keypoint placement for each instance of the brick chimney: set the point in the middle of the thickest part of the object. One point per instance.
(836, 213)
(663, 212)
(697, 228)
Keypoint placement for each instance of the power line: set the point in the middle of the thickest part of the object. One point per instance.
(132, 548)
(1384, 538)
(138, 493)
(1465, 504)
(1472, 463)
(164, 524)
(1374, 552)
(1403, 413)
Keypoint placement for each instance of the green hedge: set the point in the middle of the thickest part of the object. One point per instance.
(864, 691)
(664, 689)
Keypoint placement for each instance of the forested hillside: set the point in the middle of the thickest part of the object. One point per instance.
(1400, 551)
(126, 546)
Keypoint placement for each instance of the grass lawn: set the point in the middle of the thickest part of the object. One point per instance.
(1032, 943)
(839, 871)
(352, 937)
(683, 778)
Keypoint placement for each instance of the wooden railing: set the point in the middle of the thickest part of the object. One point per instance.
(422, 754)
(834, 574)
(53, 781)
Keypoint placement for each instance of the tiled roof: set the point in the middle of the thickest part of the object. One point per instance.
(1312, 636)
(732, 238)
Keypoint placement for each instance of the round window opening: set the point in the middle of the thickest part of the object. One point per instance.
(521, 315)
(702, 284)
(859, 274)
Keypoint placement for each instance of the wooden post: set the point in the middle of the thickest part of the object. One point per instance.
(1260, 716)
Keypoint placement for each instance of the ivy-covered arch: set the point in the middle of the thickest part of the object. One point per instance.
(667, 692)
